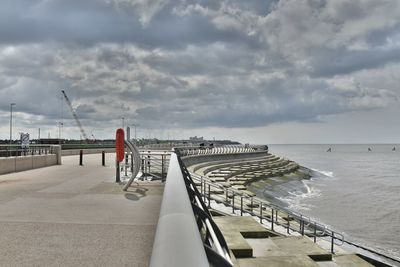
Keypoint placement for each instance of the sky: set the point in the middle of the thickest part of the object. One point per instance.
(255, 71)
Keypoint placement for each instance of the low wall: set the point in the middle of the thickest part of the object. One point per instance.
(71, 152)
(23, 163)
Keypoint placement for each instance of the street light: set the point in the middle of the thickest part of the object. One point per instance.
(11, 106)
(135, 128)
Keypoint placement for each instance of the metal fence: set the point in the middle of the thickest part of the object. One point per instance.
(243, 203)
(18, 151)
(228, 149)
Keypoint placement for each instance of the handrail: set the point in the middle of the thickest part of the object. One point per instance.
(215, 238)
(186, 234)
(177, 241)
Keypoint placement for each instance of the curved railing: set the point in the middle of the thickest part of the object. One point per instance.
(265, 211)
(186, 233)
(228, 149)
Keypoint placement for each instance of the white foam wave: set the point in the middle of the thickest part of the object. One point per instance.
(295, 198)
(326, 173)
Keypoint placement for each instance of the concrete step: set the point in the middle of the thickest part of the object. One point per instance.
(277, 261)
(349, 260)
(236, 229)
(295, 245)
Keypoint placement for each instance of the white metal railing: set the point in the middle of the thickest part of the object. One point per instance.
(186, 234)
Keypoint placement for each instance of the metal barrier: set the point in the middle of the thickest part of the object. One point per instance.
(155, 163)
(228, 149)
(186, 234)
(146, 164)
(18, 151)
(266, 212)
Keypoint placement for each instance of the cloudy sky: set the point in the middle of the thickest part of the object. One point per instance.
(259, 71)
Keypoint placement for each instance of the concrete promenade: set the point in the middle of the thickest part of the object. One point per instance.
(70, 215)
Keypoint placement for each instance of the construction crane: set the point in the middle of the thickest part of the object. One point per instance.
(83, 133)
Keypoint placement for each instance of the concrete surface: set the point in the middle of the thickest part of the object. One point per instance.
(295, 245)
(70, 215)
(277, 261)
(236, 229)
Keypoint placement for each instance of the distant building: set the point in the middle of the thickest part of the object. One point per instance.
(196, 139)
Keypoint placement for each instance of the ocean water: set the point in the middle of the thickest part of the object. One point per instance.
(353, 190)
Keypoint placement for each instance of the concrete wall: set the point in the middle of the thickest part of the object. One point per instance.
(23, 163)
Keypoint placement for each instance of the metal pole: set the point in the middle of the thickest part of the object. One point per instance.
(315, 232)
(201, 185)
(117, 176)
(209, 196)
(132, 163)
(11, 106)
(272, 220)
(332, 242)
(103, 158)
(233, 202)
(81, 157)
(162, 166)
(260, 213)
(126, 164)
(241, 205)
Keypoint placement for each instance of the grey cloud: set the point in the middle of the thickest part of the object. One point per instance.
(332, 62)
(196, 64)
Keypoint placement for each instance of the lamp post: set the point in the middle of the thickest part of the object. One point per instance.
(11, 107)
(134, 125)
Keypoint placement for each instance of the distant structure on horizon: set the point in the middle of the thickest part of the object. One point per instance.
(196, 139)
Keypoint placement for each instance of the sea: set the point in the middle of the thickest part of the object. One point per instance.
(354, 189)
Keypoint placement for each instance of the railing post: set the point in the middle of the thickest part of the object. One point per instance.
(209, 196)
(261, 213)
(204, 192)
(272, 219)
(162, 166)
(315, 232)
(132, 163)
(332, 243)
(241, 205)
(103, 158)
(201, 185)
(251, 205)
(288, 224)
(233, 202)
(117, 176)
(81, 157)
(126, 164)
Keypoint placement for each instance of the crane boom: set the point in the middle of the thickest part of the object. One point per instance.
(74, 115)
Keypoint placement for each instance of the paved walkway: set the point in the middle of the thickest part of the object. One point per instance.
(72, 215)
